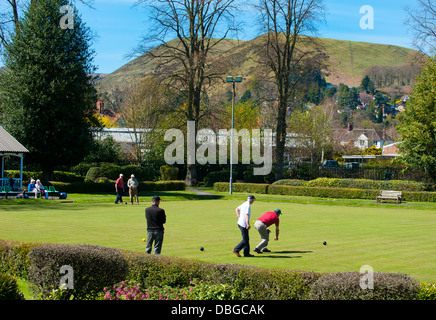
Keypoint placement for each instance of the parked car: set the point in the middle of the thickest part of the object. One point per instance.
(329, 164)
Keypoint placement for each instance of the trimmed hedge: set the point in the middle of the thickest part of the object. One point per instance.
(94, 267)
(321, 192)
(98, 267)
(107, 187)
(399, 185)
(346, 286)
(242, 187)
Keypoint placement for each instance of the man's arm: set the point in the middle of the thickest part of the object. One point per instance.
(277, 232)
(247, 221)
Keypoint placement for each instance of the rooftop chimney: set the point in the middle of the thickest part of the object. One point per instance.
(350, 126)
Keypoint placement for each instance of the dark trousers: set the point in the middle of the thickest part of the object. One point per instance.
(119, 196)
(245, 242)
(156, 236)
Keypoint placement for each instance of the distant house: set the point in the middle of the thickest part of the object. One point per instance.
(391, 150)
(360, 138)
(9, 146)
(107, 113)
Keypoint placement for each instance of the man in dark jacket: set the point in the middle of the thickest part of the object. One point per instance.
(155, 231)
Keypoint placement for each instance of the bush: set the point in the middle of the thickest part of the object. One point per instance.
(346, 286)
(427, 291)
(242, 187)
(168, 173)
(398, 185)
(14, 257)
(289, 182)
(94, 173)
(105, 185)
(67, 176)
(216, 176)
(94, 267)
(9, 288)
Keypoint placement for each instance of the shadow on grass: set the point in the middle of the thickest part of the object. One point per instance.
(281, 254)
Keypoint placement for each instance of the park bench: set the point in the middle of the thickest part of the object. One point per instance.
(390, 195)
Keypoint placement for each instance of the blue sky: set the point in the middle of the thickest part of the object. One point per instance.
(119, 25)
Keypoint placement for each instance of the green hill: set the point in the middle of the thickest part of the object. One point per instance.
(347, 61)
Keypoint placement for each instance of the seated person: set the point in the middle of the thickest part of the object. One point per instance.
(31, 187)
(40, 187)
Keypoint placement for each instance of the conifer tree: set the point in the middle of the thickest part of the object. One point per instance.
(47, 96)
(418, 123)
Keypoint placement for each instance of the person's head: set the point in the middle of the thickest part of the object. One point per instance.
(155, 200)
(121, 175)
(38, 181)
(251, 198)
(278, 212)
(32, 181)
(132, 176)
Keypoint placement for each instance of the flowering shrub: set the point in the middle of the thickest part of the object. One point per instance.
(131, 290)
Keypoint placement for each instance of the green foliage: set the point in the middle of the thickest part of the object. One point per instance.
(241, 187)
(105, 150)
(94, 267)
(373, 150)
(335, 188)
(168, 173)
(47, 93)
(427, 291)
(346, 286)
(112, 171)
(216, 176)
(14, 257)
(400, 185)
(9, 288)
(418, 123)
(105, 185)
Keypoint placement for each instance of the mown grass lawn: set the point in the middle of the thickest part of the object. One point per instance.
(388, 237)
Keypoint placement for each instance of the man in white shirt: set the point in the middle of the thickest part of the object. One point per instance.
(243, 212)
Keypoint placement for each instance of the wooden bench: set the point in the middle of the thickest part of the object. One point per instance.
(390, 195)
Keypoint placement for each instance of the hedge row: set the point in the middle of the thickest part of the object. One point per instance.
(108, 186)
(321, 192)
(400, 185)
(98, 267)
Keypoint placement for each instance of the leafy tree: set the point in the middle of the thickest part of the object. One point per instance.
(46, 91)
(418, 123)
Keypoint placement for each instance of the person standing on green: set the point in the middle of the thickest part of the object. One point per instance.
(132, 184)
(156, 218)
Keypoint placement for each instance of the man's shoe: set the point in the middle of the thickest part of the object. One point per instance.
(266, 250)
(237, 253)
(257, 250)
(249, 255)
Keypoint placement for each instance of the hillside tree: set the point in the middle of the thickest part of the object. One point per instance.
(186, 33)
(47, 96)
(287, 24)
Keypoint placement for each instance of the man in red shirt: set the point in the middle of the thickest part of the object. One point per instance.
(119, 189)
(261, 225)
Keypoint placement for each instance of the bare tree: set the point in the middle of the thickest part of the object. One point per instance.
(144, 113)
(422, 21)
(288, 24)
(195, 28)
